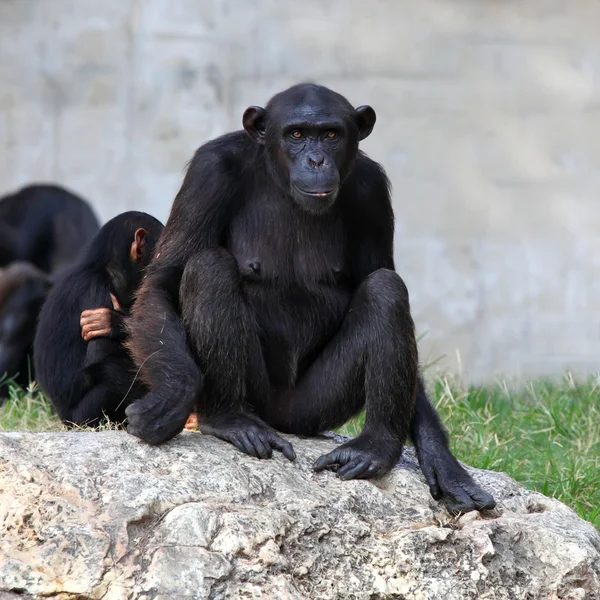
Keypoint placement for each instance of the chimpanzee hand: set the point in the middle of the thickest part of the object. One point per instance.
(247, 433)
(155, 420)
(102, 322)
(450, 483)
(363, 457)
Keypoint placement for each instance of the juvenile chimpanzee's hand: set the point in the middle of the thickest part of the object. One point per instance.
(101, 322)
(95, 323)
(363, 457)
(247, 433)
(450, 483)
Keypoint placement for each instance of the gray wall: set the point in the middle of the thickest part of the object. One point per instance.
(488, 125)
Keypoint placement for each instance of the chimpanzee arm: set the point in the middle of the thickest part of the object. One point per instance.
(160, 341)
(371, 223)
(102, 328)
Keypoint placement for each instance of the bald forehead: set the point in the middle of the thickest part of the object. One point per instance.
(308, 103)
(314, 113)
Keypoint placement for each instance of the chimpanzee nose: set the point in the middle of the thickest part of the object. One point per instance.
(316, 160)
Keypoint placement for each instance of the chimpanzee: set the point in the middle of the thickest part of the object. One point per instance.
(272, 301)
(83, 366)
(47, 226)
(23, 289)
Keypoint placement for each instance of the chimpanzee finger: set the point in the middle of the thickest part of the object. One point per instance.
(480, 499)
(86, 315)
(373, 471)
(263, 447)
(327, 461)
(466, 498)
(86, 321)
(92, 327)
(237, 443)
(353, 469)
(88, 334)
(434, 488)
(96, 322)
(91, 315)
(283, 446)
(483, 500)
(248, 445)
(458, 501)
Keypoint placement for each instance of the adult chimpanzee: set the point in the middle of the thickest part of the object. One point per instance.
(23, 289)
(273, 302)
(92, 375)
(45, 225)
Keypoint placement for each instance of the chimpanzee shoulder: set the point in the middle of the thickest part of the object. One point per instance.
(226, 155)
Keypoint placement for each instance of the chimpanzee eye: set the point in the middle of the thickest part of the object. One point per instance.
(296, 134)
(331, 134)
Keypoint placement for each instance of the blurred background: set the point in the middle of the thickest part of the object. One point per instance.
(488, 126)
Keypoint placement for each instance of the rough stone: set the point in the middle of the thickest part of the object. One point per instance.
(488, 115)
(103, 515)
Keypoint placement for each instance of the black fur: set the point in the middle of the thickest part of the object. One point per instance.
(86, 380)
(23, 289)
(273, 303)
(45, 225)
(43, 228)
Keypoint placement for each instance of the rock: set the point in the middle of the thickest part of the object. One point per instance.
(103, 515)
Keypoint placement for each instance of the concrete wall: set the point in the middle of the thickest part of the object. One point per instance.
(488, 125)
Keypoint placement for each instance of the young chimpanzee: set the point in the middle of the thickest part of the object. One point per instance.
(79, 356)
(273, 302)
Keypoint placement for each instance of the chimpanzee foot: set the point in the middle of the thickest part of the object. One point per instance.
(247, 433)
(451, 484)
(154, 420)
(363, 457)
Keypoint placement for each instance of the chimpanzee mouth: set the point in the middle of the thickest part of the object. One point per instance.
(319, 194)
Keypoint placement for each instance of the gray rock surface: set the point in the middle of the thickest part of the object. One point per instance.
(103, 515)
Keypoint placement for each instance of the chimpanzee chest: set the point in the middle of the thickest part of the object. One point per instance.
(281, 246)
(294, 273)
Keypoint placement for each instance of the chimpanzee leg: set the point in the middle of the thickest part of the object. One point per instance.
(92, 407)
(223, 336)
(372, 361)
(444, 474)
(105, 399)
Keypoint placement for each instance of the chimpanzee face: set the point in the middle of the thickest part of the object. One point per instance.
(311, 135)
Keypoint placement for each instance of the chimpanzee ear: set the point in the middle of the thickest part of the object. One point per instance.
(365, 121)
(254, 123)
(137, 246)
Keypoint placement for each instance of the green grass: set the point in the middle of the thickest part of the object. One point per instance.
(28, 410)
(546, 435)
